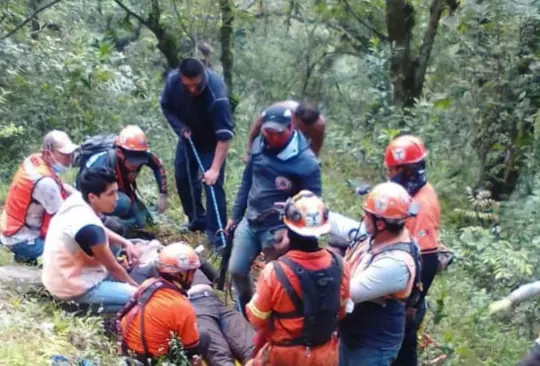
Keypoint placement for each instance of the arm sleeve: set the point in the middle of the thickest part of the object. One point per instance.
(47, 193)
(168, 111)
(89, 236)
(259, 308)
(345, 227)
(157, 167)
(240, 204)
(220, 112)
(384, 276)
(524, 292)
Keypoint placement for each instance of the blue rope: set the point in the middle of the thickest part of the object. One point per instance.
(212, 194)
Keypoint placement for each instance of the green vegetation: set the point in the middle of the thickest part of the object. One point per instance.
(464, 75)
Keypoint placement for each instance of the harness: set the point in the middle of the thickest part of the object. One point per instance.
(414, 252)
(139, 301)
(319, 302)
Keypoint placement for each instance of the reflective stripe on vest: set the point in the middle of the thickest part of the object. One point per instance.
(19, 196)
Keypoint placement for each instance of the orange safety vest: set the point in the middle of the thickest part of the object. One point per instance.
(19, 196)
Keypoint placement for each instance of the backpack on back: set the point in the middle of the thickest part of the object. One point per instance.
(92, 146)
(319, 303)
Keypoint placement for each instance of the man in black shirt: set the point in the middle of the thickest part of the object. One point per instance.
(196, 105)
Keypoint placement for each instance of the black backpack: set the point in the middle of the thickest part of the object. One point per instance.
(319, 303)
(92, 146)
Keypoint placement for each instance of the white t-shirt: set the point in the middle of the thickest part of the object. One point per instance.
(47, 198)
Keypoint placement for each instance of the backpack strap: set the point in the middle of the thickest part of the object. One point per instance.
(412, 249)
(287, 286)
(139, 300)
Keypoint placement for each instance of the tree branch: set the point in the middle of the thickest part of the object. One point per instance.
(133, 14)
(361, 21)
(29, 19)
(436, 10)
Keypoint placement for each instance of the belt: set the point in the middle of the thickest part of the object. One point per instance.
(199, 295)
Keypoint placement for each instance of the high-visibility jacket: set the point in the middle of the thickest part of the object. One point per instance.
(20, 196)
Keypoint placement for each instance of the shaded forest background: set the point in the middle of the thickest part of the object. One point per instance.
(464, 75)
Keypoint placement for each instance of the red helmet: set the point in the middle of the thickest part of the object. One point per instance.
(389, 201)
(405, 150)
(132, 138)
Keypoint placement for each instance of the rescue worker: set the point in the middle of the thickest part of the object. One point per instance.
(301, 296)
(405, 161)
(126, 158)
(34, 196)
(523, 293)
(280, 165)
(160, 307)
(306, 118)
(384, 276)
(78, 262)
(195, 103)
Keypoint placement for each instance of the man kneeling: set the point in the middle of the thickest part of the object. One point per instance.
(160, 308)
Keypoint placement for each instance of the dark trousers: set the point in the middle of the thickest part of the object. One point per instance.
(533, 358)
(408, 354)
(190, 190)
(225, 335)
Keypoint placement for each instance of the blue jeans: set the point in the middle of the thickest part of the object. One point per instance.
(366, 356)
(190, 191)
(109, 294)
(128, 212)
(28, 251)
(248, 242)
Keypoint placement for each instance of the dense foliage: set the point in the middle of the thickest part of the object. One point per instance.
(464, 75)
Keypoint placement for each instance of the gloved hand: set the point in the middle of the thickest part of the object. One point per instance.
(501, 305)
(162, 203)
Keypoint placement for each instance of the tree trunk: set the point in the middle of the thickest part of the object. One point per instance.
(407, 71)
(226, 31)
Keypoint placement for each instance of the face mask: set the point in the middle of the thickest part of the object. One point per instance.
(413, 182)
(57, 167)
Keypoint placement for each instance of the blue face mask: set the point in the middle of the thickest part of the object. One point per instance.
(59, 168)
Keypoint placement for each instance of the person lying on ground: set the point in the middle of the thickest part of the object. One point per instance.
(78, 260)
(34, 196)
(385, 281)
(302, 295)
(280, 165)
(225, 335)
(160, 309)
(306, 118)
(126, 158)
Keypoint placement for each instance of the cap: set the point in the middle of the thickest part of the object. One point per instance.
(136, 157)
(276, 117)
(59, 141)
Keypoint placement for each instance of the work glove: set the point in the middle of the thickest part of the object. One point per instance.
(162, 203)
(501, 305)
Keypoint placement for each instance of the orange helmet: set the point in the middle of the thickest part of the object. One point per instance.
(132, 138)
(404, 150)
(178, 258)
(306, 214)
(390, 201)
